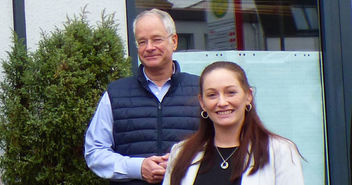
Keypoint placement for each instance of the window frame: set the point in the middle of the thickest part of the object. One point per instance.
(336, 24)
(336, 46)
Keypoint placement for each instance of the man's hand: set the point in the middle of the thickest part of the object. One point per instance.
(165, 158)
(153, 168)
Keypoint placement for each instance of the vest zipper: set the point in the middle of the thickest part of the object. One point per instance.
(159, 131)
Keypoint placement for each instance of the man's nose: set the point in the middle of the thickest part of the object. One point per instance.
(150, 45)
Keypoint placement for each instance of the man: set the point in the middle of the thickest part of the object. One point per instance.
(139, 118)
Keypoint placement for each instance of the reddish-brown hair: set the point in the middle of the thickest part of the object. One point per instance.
(254, 137)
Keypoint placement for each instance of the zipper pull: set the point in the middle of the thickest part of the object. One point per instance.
(159, 106)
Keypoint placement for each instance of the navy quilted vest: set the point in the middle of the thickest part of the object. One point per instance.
(142, 125)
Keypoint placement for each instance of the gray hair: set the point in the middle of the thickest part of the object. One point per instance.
(165, 17)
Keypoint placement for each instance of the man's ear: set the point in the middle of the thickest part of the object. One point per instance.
(174, 39)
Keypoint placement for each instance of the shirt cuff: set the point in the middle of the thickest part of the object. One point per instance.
(134, 168)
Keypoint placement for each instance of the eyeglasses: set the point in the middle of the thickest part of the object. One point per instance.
(155, 41)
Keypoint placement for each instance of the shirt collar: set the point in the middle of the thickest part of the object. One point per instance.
(149, 80)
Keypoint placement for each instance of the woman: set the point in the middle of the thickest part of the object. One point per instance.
(231, 145)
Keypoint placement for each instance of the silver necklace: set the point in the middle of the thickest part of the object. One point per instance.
(224, 165)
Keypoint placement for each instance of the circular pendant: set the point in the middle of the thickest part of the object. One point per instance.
(224, 165)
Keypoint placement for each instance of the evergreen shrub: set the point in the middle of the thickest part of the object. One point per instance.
(49, 96)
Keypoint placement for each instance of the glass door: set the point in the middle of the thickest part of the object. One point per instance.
(278, 45)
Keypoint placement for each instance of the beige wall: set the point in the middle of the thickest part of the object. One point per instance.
(46, 15)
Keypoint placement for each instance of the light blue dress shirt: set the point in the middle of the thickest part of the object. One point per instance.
(100, 157)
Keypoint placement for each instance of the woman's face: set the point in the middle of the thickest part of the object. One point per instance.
(223, 98)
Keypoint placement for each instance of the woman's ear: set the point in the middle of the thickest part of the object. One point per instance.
(250, 95)
(200, 99)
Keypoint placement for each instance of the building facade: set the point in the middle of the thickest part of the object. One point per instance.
(297, 54)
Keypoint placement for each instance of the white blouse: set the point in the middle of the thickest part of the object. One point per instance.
(284, 167)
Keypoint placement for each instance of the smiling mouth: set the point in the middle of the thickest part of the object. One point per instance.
(224, 112)
(151, 56)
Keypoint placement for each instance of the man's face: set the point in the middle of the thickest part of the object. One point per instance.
(155, 44)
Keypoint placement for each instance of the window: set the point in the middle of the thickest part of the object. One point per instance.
(185, 42)
(244, 25)
(278, 45)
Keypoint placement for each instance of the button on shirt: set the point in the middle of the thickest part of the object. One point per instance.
(99, 155)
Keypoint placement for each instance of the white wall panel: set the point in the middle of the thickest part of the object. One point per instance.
(46, 15)
(288, 96)
(6, 19)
